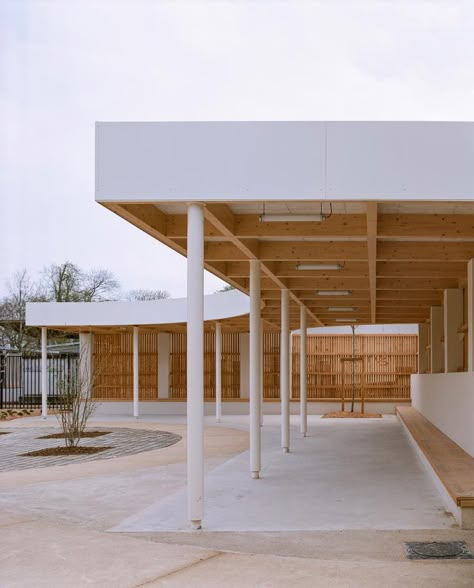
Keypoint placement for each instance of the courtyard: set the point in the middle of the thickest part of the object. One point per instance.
(336, 510)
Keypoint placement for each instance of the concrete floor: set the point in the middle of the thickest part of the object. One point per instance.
(346, 474)
(54, 520)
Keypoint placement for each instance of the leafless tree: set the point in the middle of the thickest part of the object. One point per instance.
(13, 332)
(76, 404)
(62, 283)
(67, 282)
(98, 284)
(143, 295)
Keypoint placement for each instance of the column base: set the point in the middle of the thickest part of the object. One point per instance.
(303, 433)
(196, 525)
(255, 475)
(285, 449)
(218, 420)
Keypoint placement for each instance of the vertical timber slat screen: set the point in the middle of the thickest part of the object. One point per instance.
(113, 366)
(271, 364)
(230, 366)
(388, 361)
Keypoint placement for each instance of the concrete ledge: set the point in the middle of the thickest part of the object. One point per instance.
(239, 407)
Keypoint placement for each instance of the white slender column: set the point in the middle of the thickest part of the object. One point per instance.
(195, 365)
(303, 375)
(164, 350)
(436, 339)
(44, 372)
(470, 315)
(453, 321)
(261, 372)
(254, 357)
(136, 374)
(218, 372)
(85, 363)
(423, 342)
(284, 372)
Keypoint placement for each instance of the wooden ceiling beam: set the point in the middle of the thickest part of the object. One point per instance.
(429, 252)
(416, 284)
(152, 221)
(431, 227)
(221, 216)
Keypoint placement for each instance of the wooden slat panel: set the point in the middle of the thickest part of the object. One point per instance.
(388, 361)
(271, 364)
(113, 366)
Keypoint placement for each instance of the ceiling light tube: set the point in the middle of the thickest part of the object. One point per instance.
(334, 292)
(318, 266)
(346, 320)
(283, 218)
(340, 309)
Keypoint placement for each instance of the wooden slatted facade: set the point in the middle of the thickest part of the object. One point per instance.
(384, 371)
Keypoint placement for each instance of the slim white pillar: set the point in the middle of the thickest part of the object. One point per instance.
(85, 363)
(436, 339)
(164, 350)
(470, 315)
(135, 374)
(218, 372)
(284, 371)
(453, 321)
(254, 357)
(303, 375)
(261, 372)
(423, 342)
(44, 372)
(290, 364)
(195, 365)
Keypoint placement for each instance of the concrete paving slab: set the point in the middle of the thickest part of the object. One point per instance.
(347, 545)
(51, 556)
(235, 571)
(347, 474)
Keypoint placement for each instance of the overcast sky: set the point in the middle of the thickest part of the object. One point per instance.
(65, 64)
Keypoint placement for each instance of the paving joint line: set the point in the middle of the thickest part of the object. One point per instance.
(177, 570)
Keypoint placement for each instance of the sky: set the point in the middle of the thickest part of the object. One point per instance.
(65, 64)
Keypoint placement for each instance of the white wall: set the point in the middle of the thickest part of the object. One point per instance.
(229, 408)
(447, 400)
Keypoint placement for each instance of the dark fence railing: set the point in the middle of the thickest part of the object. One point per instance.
(20, 379)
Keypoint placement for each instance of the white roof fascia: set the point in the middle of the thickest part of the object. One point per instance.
(264, 161)
(219, 306)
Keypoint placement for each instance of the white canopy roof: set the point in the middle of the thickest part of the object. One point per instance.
(220, 306)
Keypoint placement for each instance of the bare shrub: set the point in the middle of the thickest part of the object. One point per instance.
(75, 403)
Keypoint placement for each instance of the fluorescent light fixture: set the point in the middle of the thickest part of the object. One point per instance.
(334, 292)
(347, 320)
(318, 266)
(340, 309)
(284, 218)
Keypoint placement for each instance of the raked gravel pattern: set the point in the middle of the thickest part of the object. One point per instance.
(122, 442)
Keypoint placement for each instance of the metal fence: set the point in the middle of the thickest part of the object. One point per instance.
(20, 379)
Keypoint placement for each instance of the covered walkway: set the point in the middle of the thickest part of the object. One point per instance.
(357, 474)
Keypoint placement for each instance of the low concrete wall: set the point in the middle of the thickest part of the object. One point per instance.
(447, 400)
(179, 408)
